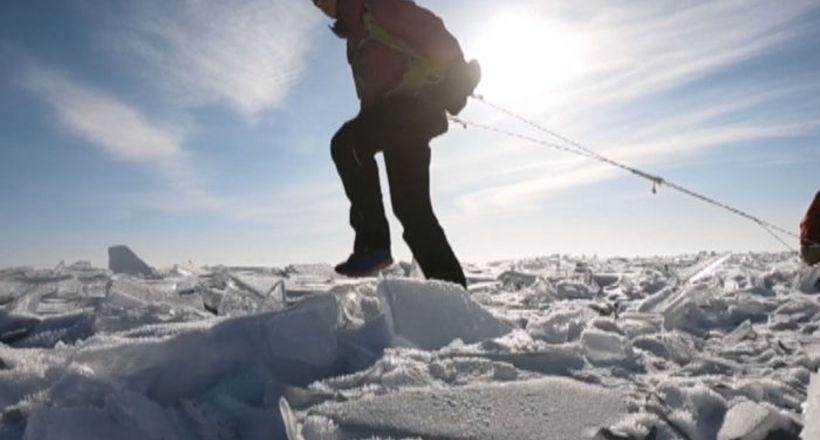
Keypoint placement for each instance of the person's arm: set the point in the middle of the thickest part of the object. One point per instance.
(419, 28)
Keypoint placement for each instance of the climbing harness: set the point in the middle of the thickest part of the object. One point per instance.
(573, 147)
(419, 70)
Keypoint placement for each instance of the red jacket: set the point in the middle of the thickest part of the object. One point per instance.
(378, 68)
(810, 227)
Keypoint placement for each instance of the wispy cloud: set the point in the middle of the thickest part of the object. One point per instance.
(280, 206)
(642, 54)
(634, 53)
(629, 51)
(244, 53)
(117, 129)
(182, 56)
(538, 180)
(520, 195)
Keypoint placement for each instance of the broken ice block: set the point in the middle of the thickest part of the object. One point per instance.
(431, 314)
(121, 259)
(748, 420)
(606, 348)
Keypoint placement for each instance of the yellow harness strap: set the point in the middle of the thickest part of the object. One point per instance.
(419, 72)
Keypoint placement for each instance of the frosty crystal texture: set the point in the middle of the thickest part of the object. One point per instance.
(695, 347)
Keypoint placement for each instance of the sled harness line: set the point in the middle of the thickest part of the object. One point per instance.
(578, 149)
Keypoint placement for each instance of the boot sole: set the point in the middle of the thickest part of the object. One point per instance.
(383, 265)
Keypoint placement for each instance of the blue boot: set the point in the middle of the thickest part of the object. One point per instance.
(366, 264)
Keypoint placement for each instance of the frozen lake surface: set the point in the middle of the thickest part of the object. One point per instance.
(696, 347)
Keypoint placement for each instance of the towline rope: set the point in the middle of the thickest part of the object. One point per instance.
(580, 150)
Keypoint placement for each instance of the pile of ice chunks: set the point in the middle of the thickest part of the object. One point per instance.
(41, 307)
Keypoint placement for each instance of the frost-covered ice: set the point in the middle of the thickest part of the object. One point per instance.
(811, 410)
(516, 410)
(694, 347)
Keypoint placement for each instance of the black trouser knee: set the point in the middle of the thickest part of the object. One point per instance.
(357, 167)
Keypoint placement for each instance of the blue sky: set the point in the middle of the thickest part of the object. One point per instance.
(199, 130)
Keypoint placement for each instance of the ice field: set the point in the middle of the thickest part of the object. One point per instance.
(696, 347)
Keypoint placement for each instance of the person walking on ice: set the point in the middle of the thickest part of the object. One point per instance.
(810, 233)
(409, 72)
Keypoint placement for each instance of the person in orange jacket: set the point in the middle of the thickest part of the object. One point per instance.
(810, 233)
(409, 71)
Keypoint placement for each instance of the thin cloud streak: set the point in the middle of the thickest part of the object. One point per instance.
(701, 111)
(246, 54)
(520, 197)
(188, 55)
(635, 50)
(662, 149)
(666, 50)
(114, 127)
(538, 182)
(119, 130)
(635, 55)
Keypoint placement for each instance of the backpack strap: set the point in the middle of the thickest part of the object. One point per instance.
(419, 70)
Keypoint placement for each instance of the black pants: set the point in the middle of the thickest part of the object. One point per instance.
(401, 127)
(810, 254)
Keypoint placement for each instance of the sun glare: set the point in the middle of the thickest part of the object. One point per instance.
(524, 56)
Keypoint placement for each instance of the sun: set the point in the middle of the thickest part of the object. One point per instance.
(524, 56)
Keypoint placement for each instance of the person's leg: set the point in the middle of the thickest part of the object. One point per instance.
(810, 254)
(356, 164)
(408, 172)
